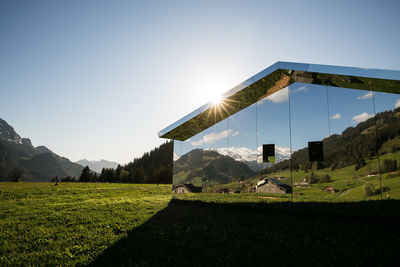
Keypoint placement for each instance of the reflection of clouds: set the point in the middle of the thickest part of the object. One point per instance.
(214, 137)
(300, 89)
(278, 97)
(397, 105)
(234, 133)
(283, 95)
(366, 96)
(336, 116)
(362, 117)
(176, 156)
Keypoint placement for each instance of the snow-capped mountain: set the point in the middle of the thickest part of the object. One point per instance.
(97, 165)
(253, 157)
(176, 156)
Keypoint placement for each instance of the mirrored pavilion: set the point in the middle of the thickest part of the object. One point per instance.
(306, 131)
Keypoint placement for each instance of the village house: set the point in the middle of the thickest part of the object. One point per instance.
(186, 188)
(270, 185)
(330, 189)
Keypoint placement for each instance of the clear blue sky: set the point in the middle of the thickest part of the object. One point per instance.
(99, 79)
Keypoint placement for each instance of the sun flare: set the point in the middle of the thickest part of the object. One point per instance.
(216, 100)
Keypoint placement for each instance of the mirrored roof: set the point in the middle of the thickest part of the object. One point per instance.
(273, 79)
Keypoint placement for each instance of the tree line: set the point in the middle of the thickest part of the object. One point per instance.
(352, 147)
(154, 167)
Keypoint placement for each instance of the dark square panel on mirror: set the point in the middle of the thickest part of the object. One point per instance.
(268, 151)
(315, 151)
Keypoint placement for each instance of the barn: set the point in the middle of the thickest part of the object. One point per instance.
(186, 188)
(274, 186)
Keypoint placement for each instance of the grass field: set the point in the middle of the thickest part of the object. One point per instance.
(70, 223)
(145, 225)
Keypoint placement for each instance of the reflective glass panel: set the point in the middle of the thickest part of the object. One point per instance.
(188, 160)
(242, 150)
(176, 155)
(309, 124)
(387, 108)
(351, 149)
(215, 160)
(273, 144)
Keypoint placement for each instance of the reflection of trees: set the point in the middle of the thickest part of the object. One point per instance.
(211, 167)
(353, 146)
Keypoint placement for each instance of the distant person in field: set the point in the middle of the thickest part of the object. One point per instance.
(56, 180)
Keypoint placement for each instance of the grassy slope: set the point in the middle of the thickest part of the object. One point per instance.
(117, 224)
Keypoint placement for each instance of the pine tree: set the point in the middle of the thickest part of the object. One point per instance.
(85, 175)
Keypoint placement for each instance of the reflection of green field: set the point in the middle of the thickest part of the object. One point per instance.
(181, 176)
(347, 181)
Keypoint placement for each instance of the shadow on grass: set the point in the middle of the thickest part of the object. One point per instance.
(199, 233)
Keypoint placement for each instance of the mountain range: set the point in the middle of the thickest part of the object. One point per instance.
(252, 158)
(97, 165)
(35, 163)
(209, 167)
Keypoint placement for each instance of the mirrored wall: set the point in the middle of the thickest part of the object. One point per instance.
(306, 142)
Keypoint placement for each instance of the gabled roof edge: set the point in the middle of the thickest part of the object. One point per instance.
(303, 73)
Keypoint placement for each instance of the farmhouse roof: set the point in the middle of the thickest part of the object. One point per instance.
(189, 187)
(276, 182)
(274, 78)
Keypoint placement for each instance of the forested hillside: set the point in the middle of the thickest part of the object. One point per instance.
(354, 145)
(207, 167)
(154, 167)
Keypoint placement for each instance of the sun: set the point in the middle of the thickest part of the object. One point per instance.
(216, 100)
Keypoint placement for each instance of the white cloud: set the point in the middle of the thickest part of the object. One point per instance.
(213, 137)
(366, 96)
(397, 103)
(336, 116)
(362, 117)
(197, 143)
(300, 89)
(279, 97)
(234, 133)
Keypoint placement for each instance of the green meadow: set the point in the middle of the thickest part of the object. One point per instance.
(145, 225)
(71, 223)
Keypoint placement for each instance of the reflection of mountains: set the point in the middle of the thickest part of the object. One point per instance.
(209, 167)
(249, 156)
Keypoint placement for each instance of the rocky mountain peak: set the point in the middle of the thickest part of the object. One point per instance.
(8, 133)
(27, 141)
